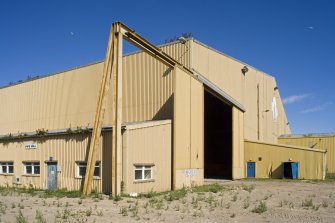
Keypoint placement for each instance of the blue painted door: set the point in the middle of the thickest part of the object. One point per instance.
(251, 169)
(52, 176)
(295, 172)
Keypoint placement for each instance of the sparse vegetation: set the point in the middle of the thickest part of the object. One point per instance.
(20, 218)
(324, 204)
(249, 188)
(307, 203)
(260, 208)
(246, 203)
(214, 188)
(88, 212)
(39, 217)
(226, 201)
(176, 195)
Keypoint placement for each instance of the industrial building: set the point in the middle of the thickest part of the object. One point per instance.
(325, 141)
(207, 115)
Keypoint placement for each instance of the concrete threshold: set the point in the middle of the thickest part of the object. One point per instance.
(219, 181)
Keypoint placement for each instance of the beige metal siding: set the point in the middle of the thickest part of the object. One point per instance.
(321, 142)
(69, 98)
(53, 102)
(226, 73)
(188, 130)
(311, 162)
(148, 145)
(238, 144)
(66, 150)
(188, 112)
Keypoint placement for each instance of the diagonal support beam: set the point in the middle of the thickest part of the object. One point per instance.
(99, 115)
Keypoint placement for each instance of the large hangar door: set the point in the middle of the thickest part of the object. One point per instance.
(217, 138)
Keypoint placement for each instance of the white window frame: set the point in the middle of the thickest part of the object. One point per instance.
(143, 168)
(6, 164)
(33, 164)
(80, 164)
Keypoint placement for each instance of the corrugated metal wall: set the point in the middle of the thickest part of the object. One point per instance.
(66, 150)
(320, 142)
(53, 102)
(311, 162)
(69, 98)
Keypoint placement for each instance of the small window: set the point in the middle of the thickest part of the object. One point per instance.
(31, 168)
(143, 173)
(6, 167)
(81, 169)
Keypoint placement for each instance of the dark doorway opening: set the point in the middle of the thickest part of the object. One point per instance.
(217, 137)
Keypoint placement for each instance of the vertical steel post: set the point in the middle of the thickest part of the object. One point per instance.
(117, 110)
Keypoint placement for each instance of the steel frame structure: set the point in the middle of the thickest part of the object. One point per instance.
(112, 75)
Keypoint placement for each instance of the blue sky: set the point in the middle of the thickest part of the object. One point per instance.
(294, 40)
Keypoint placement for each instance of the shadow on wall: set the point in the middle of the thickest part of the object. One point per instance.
(166, 111)
(277, 172)
(105, 165)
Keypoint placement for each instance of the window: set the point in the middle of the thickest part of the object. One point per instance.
(143, 172)
(6, 167)
(31, 168)
(81, 169)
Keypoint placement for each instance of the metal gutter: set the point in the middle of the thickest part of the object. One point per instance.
(105, 128)
(312, 135)
(286, 146)
(218, 90)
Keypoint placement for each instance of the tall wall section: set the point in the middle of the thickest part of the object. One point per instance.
(225, 72)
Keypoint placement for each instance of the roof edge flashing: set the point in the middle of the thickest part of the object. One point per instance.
(220, 92)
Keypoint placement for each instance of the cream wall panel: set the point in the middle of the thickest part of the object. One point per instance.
(148, 145)
(311, 162)
(238, 144)
(181, 120)
(197, 124)
(188, 129)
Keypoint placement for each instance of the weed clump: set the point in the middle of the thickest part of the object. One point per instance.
(248, 188)
(307, 203)
(261, 208)
(176, 195)
(214, 188)
(20, 218)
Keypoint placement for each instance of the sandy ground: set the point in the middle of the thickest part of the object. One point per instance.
(284, 201)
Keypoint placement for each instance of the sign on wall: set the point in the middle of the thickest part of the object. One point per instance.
(31, 146)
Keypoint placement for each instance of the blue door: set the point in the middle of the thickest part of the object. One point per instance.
(294, 167)
(251, 169)
(290, 170)
(52, 176)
